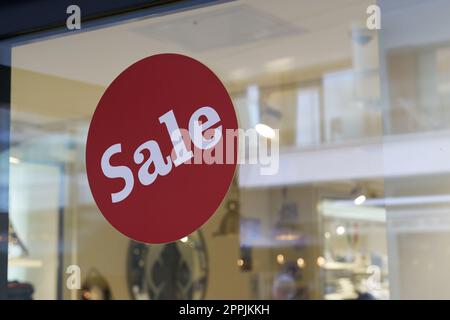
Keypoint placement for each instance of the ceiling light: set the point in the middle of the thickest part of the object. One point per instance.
(281, 64)
(321, 261)
(359, 200)
(287, 237)
(340, 230)
(280, 259)
(184, 239)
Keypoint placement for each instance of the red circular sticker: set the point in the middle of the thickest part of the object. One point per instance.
(160, 153)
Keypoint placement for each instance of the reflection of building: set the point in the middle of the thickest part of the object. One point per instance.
(360, 202)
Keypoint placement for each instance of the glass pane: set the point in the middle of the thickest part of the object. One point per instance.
(358, 208)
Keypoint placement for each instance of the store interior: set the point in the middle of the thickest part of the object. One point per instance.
(359, 208)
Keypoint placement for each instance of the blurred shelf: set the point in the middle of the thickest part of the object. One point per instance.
(341, 296)
(24, 263)
(355, 269)
(340, 266)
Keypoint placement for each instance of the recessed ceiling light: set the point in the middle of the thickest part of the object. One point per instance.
(281, 64)
(280, 259)
(340, 230)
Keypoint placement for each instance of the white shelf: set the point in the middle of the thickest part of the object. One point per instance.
(24, 263)
(339, 266)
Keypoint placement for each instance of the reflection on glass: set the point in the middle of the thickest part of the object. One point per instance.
(359, 208)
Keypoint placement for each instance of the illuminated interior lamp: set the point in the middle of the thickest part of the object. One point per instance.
(359, 200)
